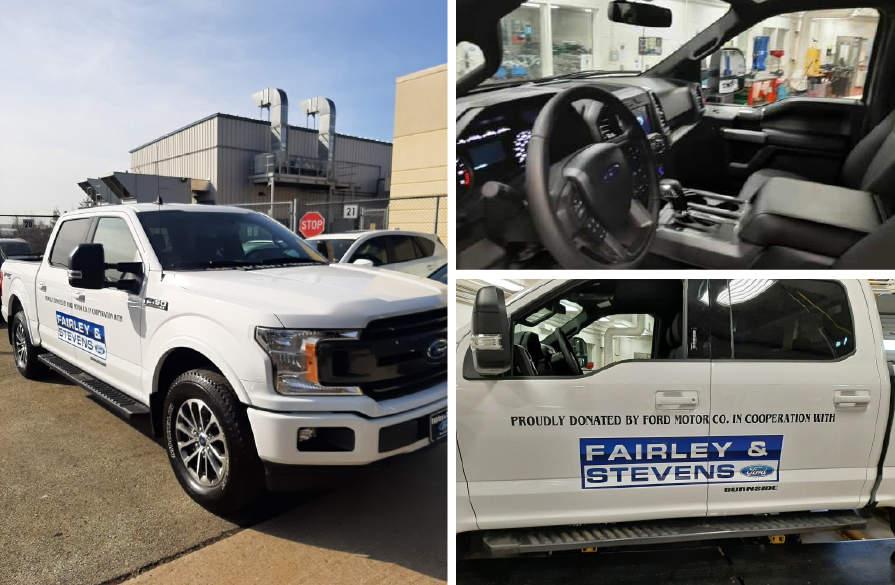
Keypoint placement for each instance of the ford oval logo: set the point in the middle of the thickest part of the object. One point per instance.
(612, 173)
(442, 426)
(437, 350)
(757, 470)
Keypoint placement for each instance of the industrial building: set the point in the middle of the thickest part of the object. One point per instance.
(232, 160)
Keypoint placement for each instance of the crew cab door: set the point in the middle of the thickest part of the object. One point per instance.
(611, 444)
(115, 316)
(795, 374)
(53, 294)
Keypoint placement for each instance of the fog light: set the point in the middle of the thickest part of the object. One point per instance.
(307, 434)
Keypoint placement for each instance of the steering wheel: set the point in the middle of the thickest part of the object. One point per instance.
(566, 348)
(584, 206)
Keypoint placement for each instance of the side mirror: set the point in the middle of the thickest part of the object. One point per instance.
(87, 267)
(639, 14)
(492, 347)
(363, 262)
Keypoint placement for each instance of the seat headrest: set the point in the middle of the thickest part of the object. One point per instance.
(674, 336)
(531, 343)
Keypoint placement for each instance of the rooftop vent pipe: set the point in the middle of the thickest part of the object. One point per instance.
(326, 130)
(276, 101)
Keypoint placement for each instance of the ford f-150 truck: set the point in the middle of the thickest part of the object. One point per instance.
(705, 409)
(257, 360)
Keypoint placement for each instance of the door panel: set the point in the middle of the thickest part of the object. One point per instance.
(525, 444)
(825, 410)
(806, 136)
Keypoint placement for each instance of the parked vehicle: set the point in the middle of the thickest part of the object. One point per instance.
(12, 247)
(259, 365)
(714, 409)
(412, 252)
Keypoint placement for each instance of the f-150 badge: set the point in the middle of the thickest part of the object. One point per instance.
(156, 304)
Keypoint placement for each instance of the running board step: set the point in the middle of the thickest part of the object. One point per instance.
(558, 538)
(110, 397)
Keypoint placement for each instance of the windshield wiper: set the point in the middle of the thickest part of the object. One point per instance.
(290, 262)
(210, 265)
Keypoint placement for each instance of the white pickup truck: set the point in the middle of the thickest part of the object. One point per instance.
(257, 361)
(617, 412)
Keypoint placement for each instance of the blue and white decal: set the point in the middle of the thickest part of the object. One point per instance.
(657, 461)
(82, 334)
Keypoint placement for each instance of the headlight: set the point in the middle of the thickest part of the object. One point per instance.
(293, 353)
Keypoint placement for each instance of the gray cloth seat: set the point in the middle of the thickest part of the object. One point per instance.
(870, 166)
(675, 338)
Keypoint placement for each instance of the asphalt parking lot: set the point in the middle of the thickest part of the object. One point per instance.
(87, 498)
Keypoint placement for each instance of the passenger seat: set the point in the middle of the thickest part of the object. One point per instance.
(674, 338)
(869, 167)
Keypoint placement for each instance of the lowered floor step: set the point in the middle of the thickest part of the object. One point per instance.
(557, 538)
(111, 397)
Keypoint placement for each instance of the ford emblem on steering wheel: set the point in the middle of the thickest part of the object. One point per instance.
(612, 173)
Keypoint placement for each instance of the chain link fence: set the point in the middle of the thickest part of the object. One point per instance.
(282, 211)
(426, 214)
(34, 229)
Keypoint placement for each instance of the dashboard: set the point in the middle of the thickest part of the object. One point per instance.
(494, 129)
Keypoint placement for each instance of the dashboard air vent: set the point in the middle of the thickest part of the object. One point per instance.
(662, 119)
(697, 94)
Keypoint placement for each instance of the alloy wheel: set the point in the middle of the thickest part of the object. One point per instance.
(201, 443)
(21, 345)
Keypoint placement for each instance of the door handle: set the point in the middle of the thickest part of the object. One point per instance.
(80, 297)
(677, 400)
(42, 286)
(851, 398)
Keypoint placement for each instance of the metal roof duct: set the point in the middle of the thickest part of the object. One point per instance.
(326, 130)
(276, 101)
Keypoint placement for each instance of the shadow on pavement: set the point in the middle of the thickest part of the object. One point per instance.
(396, 515)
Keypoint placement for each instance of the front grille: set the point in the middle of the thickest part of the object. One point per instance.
(391, 358)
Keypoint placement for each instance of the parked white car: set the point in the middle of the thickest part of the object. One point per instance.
(411, 252)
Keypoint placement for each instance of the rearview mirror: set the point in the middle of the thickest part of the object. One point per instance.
(639, 14)
(363, 262)
(87, 267)
(492, 347)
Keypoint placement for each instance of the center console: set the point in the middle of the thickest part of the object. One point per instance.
(788, 224)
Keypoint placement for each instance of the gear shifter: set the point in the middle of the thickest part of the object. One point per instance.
(673, 192)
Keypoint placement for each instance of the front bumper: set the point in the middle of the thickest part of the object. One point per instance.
(276, 435)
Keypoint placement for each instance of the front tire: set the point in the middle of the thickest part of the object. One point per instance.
(24, 352)
(210, 444)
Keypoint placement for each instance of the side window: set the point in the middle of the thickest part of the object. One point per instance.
(426, 246)
(71, 233)
(404, 249)
(118, 244)
(818, 54)
(805, 320)
(374, 250)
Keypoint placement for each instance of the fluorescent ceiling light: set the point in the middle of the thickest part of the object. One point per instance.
(506, 284)
(740, 291)
(570, 305)
(604, 320)
(620, 326)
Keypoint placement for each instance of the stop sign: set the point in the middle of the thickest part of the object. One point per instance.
(311, 224)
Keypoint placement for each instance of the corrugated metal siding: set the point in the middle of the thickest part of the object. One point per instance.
(223, 148)
(200, 137)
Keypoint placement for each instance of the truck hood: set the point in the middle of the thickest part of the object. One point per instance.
(336, 296)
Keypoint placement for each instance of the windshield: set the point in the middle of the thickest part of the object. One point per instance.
(332, 250)
(566, 37)
(194, 240)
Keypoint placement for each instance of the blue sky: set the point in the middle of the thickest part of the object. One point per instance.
(83, 82)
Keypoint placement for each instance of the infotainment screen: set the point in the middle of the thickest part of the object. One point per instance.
(642, 115)
(486, 154)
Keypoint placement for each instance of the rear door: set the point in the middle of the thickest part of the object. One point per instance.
(800, 388)
(619, 443)
(60, 329)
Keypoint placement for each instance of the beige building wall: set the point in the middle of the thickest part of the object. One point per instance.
(420, 155)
